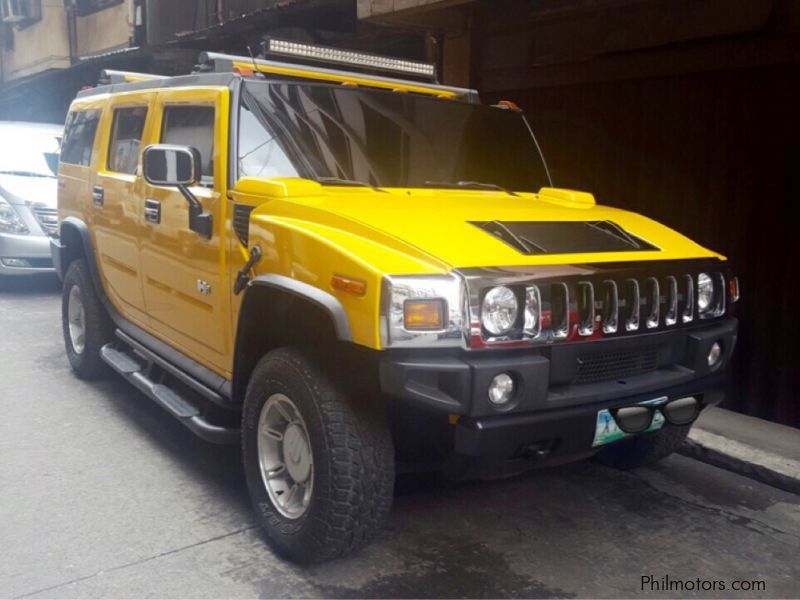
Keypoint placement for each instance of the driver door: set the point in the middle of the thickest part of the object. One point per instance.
(185, 281)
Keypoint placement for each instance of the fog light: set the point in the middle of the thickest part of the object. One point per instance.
(17, 263)
(501, 389)
(714, 355)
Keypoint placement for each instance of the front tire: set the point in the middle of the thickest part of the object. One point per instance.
(85, 322)
(319, 462)
(645, 449)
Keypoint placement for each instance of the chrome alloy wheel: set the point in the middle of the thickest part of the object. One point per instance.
(284, 456)
(76, 319)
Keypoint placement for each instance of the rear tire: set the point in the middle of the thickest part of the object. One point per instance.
(346, 491)
(645, 449)
(86, 324)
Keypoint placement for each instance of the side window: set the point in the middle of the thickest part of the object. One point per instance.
(259, 154)
(126, 139)
(79, 132)
(191, 126)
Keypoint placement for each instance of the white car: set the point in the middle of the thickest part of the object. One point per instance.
(28, 196)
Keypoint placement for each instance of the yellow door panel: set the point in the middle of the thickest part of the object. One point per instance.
(117, 201)
(186, 284)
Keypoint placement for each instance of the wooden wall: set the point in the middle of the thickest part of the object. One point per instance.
(715, 155)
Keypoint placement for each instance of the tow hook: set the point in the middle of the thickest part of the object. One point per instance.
(243, 276)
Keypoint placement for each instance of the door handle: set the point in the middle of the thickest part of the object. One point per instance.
(152, 211)
(98, 195)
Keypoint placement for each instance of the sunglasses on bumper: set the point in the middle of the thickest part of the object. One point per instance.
(637, 418)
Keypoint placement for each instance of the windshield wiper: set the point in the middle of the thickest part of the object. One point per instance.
(353, 182)
(475, 185)
(25, 174)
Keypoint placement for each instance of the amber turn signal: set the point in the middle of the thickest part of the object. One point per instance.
(351, 286)
(423, 314)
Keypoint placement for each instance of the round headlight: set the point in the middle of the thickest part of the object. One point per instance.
(499, 310)
(705, 292)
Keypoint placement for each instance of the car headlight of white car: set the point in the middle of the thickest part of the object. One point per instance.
(10, 221)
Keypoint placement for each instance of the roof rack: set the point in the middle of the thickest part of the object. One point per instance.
(249, 66)
(111, 76)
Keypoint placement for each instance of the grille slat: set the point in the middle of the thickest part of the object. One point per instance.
(593, 368)
(47, 219)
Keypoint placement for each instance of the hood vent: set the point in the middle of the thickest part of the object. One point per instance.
(564, 237)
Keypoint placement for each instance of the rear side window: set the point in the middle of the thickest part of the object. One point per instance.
(76, 149)
(126, 139)
(191, 126)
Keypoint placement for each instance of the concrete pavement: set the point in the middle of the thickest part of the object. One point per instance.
(103, 494)
(764, 451)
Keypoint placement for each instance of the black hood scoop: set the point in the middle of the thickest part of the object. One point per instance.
(564, 237)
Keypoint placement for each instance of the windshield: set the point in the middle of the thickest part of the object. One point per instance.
(28, 153)
(385, 139)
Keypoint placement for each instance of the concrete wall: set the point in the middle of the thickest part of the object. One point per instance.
(42, 46)
(105, 30)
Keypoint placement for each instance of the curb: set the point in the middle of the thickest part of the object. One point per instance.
(742, 459)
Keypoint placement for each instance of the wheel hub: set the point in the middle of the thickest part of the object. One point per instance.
(285, 457)
(296, 453)
(76, 320)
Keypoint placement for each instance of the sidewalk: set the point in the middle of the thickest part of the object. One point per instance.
(752, 447)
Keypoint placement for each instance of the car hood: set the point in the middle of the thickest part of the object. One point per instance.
(449, 226)
(29, 190)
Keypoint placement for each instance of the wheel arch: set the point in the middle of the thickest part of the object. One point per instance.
(75, 242)
(298, 313)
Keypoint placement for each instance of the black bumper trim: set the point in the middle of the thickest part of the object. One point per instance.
(457, 382)
(562, 432)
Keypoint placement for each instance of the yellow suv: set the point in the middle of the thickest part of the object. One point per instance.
(351, 273)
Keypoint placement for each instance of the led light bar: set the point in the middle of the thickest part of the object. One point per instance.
(350, 57)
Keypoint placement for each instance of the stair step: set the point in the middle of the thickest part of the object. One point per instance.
(120, 360)
(174, 402)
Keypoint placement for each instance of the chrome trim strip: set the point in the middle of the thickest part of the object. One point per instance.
(562, 330)
(654, 302)
(611, 324)
(688, 307)
(672, 301)
(586, 321)
(632, 320)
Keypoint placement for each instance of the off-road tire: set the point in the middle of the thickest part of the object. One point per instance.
(99, 329)
(644, 449)
(353, 458)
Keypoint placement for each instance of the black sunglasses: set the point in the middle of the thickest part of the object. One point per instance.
(637, 418)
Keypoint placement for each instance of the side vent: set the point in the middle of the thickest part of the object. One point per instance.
(241, 222)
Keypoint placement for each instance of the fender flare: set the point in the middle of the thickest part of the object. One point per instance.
(327, 302)
(58, 248)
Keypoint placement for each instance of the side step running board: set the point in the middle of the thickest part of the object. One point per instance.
(136, 370)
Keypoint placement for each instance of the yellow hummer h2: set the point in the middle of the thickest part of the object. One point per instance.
(349, 273)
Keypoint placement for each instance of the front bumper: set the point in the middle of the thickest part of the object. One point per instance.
(555, 409)
(32, 248)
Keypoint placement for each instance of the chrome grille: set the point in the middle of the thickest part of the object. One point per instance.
(588, 301)
(47, 219)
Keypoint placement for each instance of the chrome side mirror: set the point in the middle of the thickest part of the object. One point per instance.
(181, 167)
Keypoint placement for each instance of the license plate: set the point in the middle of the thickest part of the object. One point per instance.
(606, 430)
